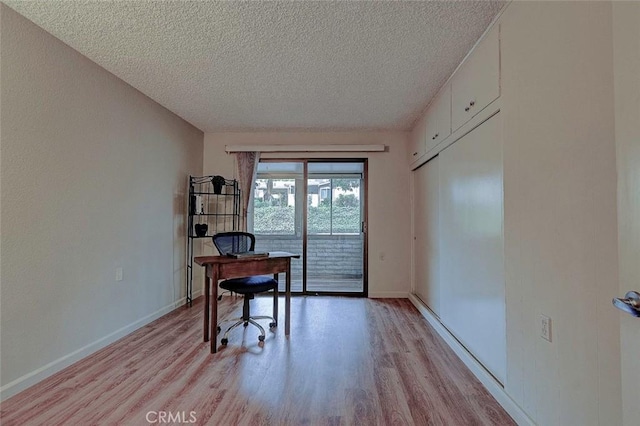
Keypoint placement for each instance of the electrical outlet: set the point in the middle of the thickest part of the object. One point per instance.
(118, 274)
(545, 327)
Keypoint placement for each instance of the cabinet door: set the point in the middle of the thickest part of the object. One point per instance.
(426, 232)
(471, 244)
(417, 143)
(477, 82)
(438, 121)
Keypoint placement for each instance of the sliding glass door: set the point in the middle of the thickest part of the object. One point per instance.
(335, 242)
(317, 209)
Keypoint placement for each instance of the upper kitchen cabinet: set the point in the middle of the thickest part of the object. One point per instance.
(417, 141)
(433, 127)
(438, 118)
(477, 83)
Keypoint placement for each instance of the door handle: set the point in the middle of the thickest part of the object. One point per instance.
(630, 304)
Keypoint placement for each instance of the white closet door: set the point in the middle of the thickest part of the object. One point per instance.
(471, 244)
(426, 227)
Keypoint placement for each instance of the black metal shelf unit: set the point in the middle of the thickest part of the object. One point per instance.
(213, 206)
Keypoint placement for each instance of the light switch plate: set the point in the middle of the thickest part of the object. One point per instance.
(545, 327)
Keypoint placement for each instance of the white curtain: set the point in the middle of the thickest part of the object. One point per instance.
(247, 168)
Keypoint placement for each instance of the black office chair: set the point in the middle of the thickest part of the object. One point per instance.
(240, 242)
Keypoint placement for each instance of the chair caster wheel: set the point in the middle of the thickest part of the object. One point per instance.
(261, 338)
(220, 297)
(246, 324)
(224, 342)
(219, 329)
(272, 325)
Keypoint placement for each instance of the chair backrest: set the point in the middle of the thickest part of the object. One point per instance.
(234, 242)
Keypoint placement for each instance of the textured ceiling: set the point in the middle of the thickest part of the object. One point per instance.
(274, 65)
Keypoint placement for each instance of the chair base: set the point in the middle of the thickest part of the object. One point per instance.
(246, 322)
(247, 319)
(223, 292)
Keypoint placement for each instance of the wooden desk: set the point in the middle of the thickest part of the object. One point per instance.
(224, 267)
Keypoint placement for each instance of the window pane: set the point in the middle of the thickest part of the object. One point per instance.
(280, 168)
(336, 168)
(333, 206)
(345, 206)
(319, 206)
(274, 207)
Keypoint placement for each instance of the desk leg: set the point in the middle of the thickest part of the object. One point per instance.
(214, 310)
(205, 288)
(287, 301)
(275, 300)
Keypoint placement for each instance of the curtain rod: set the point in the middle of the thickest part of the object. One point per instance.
(305, 148)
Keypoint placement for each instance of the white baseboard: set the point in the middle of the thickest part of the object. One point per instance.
(388, 295)
(194, 295)
(487, 380)
(59, 364)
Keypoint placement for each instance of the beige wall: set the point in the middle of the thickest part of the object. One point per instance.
(626, 51)
(560, 211)
(389, 211)
(93, 177)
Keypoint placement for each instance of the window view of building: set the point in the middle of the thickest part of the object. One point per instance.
(333, 206)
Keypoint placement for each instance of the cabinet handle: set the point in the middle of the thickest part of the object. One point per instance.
(435, 136)
(472, 103)
(414, 154)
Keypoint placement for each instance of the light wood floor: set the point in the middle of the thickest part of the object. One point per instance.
(348, 361)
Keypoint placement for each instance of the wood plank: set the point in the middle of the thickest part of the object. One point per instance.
(347, 361)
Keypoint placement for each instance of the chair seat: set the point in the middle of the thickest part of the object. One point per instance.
(248, 285)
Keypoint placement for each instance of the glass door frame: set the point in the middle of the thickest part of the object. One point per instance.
(305, 236)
